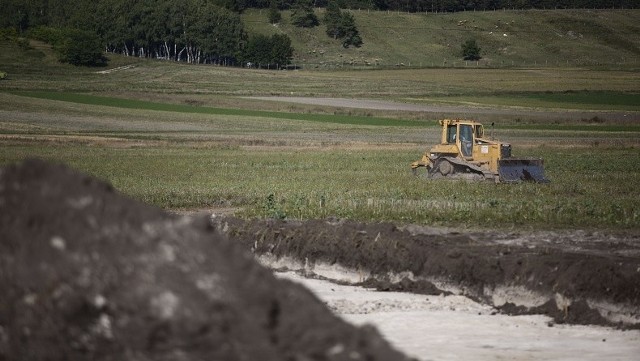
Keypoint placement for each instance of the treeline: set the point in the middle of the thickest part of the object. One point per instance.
(194, 31)
(437, 5)
(448, 5)
(22, 14)
(482, 5)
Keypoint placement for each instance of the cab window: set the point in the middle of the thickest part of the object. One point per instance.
(451, 134)
(466, 140)
(466, 133)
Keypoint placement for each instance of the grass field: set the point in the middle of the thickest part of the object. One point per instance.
(588, 100)
(364, 184)
(296, 168)
(186, 137)
(602, 38)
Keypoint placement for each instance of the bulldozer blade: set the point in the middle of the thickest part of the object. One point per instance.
(521, 169)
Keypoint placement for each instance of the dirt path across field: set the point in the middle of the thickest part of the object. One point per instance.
(459, 111)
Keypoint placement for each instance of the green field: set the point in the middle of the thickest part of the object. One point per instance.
(561, 38)
(587, 100)
(300, 169)
(186, 137)
(363, 184)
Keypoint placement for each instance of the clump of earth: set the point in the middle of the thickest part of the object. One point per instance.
(88, 274)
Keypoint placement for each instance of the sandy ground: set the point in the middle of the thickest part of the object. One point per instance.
(458, 110)
(456, 328)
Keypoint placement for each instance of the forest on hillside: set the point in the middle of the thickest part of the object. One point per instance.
(22, 14)
(211, 31)
(25, 13)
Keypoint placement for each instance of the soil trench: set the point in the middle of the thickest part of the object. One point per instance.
(573, 277)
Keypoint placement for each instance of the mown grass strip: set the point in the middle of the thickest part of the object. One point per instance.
(587, 97)
(604, 101)
(575, 127)
(182, 108)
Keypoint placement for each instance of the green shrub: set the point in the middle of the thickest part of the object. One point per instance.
(471, 50)
(341, 25)
(267, 51)
(81, 48)
(74, 46)
(8, 33)
(274, 14)
(303, 16)
(50, 35)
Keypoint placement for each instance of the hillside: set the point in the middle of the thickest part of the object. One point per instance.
(507, 38)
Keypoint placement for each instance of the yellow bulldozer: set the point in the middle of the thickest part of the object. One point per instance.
(465, 153)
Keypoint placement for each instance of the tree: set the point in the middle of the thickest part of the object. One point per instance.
(281, 49)
(274, 13)
(267, 51)
(341, 25)
(351, 35)
(73, 46)
(81, 48)
(258, 50)
(302, 15)
(332, 19)
(471, 50)
(212, 33)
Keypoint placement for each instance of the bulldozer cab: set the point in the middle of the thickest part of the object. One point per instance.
(463, 135)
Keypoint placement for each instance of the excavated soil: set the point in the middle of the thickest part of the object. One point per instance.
(574, 277)
(88, 274)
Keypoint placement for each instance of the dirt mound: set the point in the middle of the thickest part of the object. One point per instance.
(573, 278)
(87, 274)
